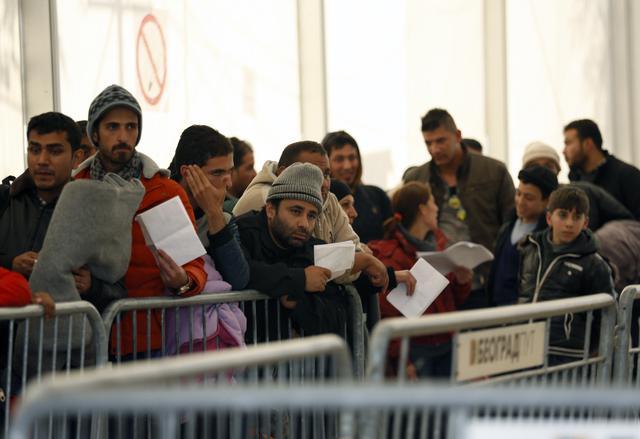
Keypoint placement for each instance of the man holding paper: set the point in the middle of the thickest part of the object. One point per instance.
(279, 246)
(115, 126)
(332, 224)
(202, 165)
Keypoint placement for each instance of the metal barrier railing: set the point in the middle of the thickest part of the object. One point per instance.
(316, 359)
(266, 322)
(35, 345)
(627, 349)
(511, 412)
(475, 352)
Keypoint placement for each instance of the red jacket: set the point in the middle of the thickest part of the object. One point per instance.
(14, 289)
(398, 253)
(143, 275)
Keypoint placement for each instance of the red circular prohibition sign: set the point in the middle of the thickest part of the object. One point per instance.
(151, 79)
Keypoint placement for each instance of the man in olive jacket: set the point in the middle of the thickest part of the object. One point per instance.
(474, 193)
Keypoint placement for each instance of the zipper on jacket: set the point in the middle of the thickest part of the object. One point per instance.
(539, 281)
(568, 318)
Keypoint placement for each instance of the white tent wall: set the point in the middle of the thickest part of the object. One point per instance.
(11, 110)
(510, 71)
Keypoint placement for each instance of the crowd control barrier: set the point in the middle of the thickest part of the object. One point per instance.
(187, 325)
(465, 412)
(508, 344)
(34, 345)
(306, 361)
(628, 337)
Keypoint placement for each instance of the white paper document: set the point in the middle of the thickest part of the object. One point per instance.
(429, 285)
(461, 254)
(337, 257)
(167, 227)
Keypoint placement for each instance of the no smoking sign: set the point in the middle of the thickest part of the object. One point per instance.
(151, 59)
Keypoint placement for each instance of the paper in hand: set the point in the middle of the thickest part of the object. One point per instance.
(167, 227)
(429, 285)
(337, 257)
(461, 254)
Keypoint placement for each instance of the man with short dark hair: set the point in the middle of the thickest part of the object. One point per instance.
(532, 195)
(255, 195)
(115, 127)
(371, 202)
(53, 144)
(474, 193)
(589, 162)
(202, 164)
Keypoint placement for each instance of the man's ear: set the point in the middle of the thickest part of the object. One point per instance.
(586, 222)
(77, 157)
(458, 136)
(588, 144)
(548, 214)
(270, 209)
(280, 169)
(95, 138)
(183, 172)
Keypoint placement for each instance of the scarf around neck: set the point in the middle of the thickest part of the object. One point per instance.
(132, 169)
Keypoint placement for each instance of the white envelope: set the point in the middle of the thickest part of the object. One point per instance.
(429, 284)
(167, 227)
(337, 257)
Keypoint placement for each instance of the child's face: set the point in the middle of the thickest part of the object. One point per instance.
(566, 225)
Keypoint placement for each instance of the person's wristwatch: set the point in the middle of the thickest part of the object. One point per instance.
(184, 288)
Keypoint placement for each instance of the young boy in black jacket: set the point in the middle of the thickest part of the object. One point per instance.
(562, 262)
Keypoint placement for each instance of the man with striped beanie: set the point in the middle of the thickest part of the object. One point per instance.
(114, 126)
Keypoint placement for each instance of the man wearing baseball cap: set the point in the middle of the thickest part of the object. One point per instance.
(114, 126)
(279, 245)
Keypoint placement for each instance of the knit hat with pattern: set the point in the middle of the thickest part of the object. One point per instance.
(300, 181)
(111, 97)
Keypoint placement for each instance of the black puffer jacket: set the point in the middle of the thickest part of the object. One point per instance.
(548, 274)
(279, 271)
(24, 219)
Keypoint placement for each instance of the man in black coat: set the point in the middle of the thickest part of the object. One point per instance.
(589, 162)
(279, 245)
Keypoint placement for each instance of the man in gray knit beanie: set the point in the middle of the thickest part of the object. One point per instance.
(294, 203)
(279, 245)
(300, 181)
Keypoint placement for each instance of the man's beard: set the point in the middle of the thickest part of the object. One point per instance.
(121, 153)
(283, 234)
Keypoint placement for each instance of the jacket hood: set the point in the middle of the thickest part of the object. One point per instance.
(266, 175)
(149, 167)
(586, 242)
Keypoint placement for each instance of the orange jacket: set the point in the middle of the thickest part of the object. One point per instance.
(143, 275)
